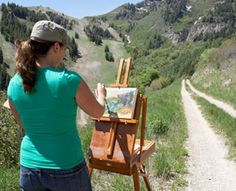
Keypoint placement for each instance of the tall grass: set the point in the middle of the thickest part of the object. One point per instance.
(9, 179)
(10, 137)
(167, 125)
(215, 72)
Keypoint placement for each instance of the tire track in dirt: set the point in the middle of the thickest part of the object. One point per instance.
(220, 104)
(208, 168)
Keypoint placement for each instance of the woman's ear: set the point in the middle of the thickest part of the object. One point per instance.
(56, 47)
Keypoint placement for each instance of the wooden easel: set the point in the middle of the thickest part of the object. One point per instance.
(114, 146)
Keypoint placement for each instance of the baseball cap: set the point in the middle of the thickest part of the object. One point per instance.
(48, 31)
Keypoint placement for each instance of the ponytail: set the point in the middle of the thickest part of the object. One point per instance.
(26, 64)
(26, 55)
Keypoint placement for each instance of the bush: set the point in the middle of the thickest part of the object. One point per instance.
(109, 57)
(106, 49)
(76, 35)
(159, 127)
(160, 83)
(10, 136)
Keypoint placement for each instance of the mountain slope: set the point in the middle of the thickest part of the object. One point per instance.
(215, 71)
(90, 53)
(166, 38)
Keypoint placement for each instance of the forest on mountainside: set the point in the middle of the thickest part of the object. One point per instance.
(168, 41)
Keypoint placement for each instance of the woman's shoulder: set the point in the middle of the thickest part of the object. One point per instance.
(16, 78)
(69, 74)
(14, 84)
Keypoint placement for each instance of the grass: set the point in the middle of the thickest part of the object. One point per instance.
(200, 7)
(215, 72)
(183, 23)
(9, 172)
(9, 179)
(227, 94)
(222, 122)
(167, 125)
(146, 28)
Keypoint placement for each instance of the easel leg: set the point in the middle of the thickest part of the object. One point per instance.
(136, 178)
(145, 177)
(90, 171)
(147, 183)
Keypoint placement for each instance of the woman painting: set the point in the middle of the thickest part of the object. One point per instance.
(44, 97)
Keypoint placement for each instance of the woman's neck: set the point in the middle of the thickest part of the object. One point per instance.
(45, 62)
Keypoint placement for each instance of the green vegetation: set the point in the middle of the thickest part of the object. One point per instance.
(9, 178)
(170, 62)
(215, 72)
(222, 122)
(166, 124)
(108, 54)
(73, 49)
(14, 29)
(173, 10)
(10, 138)
(223, 12)
(24, 13)
(76, 35)
(11, 27)
(95, 33)
(4, 76)
(145, 29)
(60, 19)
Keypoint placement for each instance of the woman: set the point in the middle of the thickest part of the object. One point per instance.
(43, 97)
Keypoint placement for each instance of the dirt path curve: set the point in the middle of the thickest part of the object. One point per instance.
(208, 168)
(227, 108)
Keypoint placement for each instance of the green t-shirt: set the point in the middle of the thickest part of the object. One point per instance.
(49, 118)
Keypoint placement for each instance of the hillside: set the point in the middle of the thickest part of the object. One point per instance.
(166, 38)
(90, 58)
(169, 40)
(215, 71)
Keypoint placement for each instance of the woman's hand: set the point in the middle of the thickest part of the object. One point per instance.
(100, 92)
(93, 105)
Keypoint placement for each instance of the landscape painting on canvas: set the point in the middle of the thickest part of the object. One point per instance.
(120, 102)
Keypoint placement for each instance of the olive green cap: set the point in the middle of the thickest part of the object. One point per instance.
(48, 31)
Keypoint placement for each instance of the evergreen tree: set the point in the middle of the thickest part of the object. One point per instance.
(73, 49)
(76, 35)
(106, 48)
(1, 56)
(109, 57)
(156, 42)
(172, 10)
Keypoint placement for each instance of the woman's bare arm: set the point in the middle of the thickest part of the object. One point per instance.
(86, 100)
(15, 113)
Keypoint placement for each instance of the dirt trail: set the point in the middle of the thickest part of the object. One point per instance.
(209, 170)
(227, 108)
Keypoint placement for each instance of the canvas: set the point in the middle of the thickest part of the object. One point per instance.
(120, 102)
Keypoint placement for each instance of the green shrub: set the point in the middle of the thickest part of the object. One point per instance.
(159, 126)
(10, 137)
(160, 83)
(109, 57)
(9, 179)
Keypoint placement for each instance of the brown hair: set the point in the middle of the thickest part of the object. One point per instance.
(26, 55)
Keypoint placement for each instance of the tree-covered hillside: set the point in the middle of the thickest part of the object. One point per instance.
(17, 22)
(167, 38)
